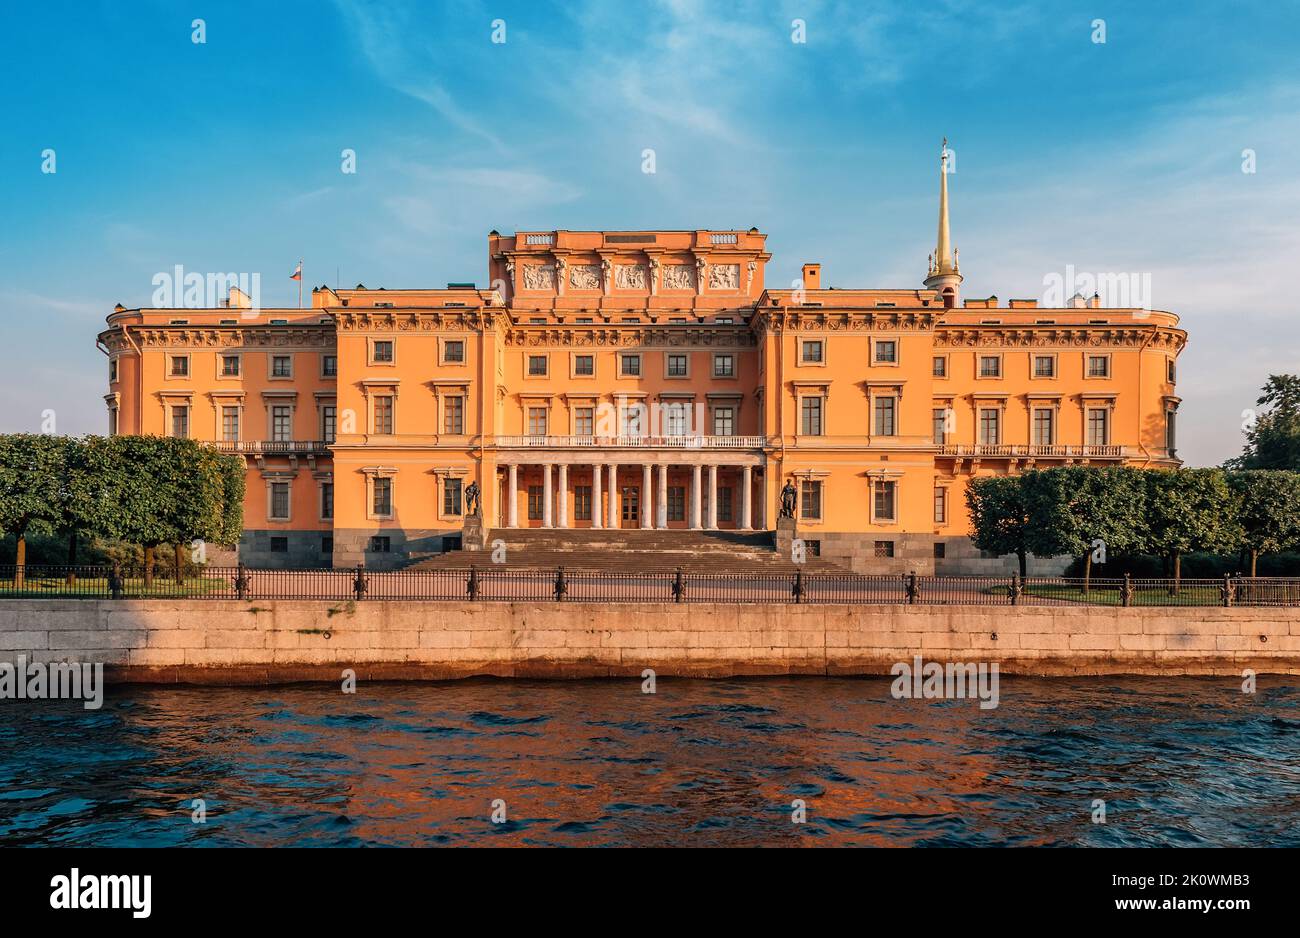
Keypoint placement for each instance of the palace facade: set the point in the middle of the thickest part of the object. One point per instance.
(644, 379)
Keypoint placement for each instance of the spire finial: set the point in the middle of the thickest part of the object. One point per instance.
(943, 271)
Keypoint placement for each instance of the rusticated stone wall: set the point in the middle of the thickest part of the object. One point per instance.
(276, 641)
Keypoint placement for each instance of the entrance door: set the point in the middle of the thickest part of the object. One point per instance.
(631, 503)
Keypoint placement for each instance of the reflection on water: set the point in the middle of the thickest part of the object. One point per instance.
(1178, 761)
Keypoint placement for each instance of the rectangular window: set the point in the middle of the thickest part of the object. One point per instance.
(279, 545)
(939, 366)
(181, 421)
(453, 351)
(886, 352)
(329, 366)
(112, 370)
(382, 500)
(279, 501)
(1044, 426)
(328, 422)
(383, 414)
(281, 423)
(281, 366)
(380, 544)
(1098, 426)
(582, 502)
(632, 420)
(230, 424)
(230, 366)
(326, 500)
(990, 366)
(812, 352)
(535, 503)
(451, 495)
(453, 415)
(886, 492)
(940, 425)
(537, 366)
(584, 366)
(990, 426)
(1044, 366)
(940, 505)
(676, 419)
(812, 416)
(537, 421)
(383, 350)
(1171, 372)
(677, 366)
(884, 548)
(676, 503)
(724, 421)
(180, 366)
(1171, 435)
(724, 503)
(885, 407)
(940, 550)
(1098, 366)
(631, 365)
(584, 421)
(724, 366)
(810, 500)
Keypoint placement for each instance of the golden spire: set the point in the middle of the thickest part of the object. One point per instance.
(943, 259)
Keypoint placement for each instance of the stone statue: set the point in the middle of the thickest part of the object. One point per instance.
(472, 499)
(788, 497)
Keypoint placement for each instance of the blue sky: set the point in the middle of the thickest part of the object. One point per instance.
(225, 156)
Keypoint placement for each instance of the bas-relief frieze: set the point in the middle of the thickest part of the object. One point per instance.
(539, 277)
(630, 277)
(584, 276)
(678, 277)
(724, 277)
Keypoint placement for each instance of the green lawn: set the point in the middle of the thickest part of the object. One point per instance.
(47, 587)
(1199, 595)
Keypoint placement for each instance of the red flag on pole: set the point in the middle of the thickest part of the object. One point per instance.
(297, 274)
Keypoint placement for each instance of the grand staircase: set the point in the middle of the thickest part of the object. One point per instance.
(633, 550)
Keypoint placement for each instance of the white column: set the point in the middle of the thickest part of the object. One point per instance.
(512, 502)
(645, 495)
(546, 495)
(695, 498)
(564, 495)
(597, 519)
(746, 518)
(661, 507)
(713, 498)
(613, 495)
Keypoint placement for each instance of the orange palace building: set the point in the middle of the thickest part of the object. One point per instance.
(634, 379)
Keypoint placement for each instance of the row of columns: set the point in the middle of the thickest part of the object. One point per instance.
(615, 510)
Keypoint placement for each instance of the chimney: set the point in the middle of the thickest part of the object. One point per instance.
(812, 276)
(1095, 302)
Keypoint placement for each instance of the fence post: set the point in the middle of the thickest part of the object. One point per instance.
(1126, 591)
(797, 590)
(359, 585)
(679, 588)
(472, 587)
(1016, 588)
(561, 587)
(241, 581)
(115, 581)
(913, 589)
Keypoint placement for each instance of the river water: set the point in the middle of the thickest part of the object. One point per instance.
(1177, 761)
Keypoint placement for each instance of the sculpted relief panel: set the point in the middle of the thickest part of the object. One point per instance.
(724, 277)
(630, 277)
(584, 277)
(678, 277)
(539, 277)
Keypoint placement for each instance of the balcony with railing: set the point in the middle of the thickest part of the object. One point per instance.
(1033, 450)
(273, 447)
(631, 442)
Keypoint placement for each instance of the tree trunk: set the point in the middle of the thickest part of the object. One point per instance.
(1024, 563)
(1254, 560)
(148, 566)
(1178, 572)
(180, 564)
(1087, 572)
(72, 558)
(20, 574)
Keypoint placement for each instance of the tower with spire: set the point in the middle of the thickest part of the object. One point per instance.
(943, 274)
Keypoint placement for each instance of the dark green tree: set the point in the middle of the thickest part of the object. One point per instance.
(1268, 510)
(1273, 438)
(32, 477)
(1190, 510)
(998, 516)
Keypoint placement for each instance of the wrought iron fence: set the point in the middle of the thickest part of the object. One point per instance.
(492, 583)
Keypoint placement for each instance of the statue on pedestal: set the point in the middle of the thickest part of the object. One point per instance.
(788, 498)
(472, 500)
